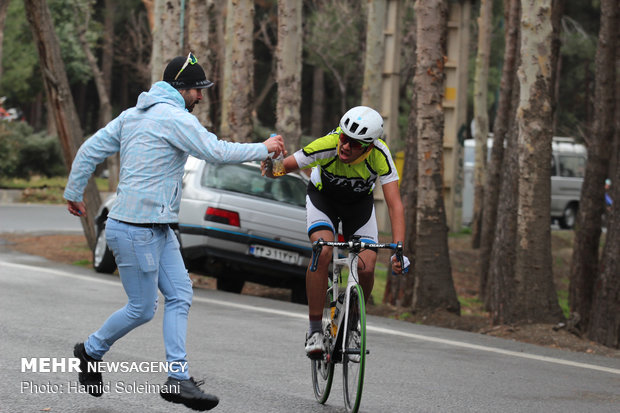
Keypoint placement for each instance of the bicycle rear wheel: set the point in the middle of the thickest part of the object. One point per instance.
(354, 359)
(323, 368)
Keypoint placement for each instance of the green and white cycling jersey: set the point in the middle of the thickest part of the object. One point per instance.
(343, 182)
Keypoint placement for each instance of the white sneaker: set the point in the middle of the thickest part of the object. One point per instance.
(314, 344)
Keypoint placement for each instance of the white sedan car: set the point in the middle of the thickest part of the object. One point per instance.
(237, 226)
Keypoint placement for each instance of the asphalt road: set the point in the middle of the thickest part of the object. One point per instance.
(250, 351)
(37, 218)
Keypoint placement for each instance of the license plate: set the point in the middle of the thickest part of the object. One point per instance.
(274, 254)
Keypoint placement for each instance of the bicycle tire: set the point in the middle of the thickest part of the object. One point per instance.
(323, 368)
(353, 369)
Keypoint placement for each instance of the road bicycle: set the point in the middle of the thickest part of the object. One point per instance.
(344, 323)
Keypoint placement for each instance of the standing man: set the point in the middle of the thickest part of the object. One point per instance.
(346, 163)
(154, 139)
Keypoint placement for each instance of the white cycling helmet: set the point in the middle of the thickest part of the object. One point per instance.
(363, 124)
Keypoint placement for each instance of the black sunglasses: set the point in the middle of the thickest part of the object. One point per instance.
(353, 143)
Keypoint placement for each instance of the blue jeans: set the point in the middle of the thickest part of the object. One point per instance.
(147, 259)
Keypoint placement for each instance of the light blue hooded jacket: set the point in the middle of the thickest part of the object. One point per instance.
(154, 139)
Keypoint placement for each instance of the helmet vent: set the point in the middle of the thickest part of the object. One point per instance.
(354, 126)
(363, 131)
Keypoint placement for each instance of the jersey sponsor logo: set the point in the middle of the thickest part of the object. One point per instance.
(350, 184)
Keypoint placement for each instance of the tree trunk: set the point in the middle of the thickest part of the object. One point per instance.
(199, 30)
(107, 60)
(166, 36)
(149, 6)
(4, 6)
(585, 263)
(399, 289)
(375, 46)
(557, 11)
(604, 325)
(238, 76)
(536, 299)
(288, 55)
(107, 56)
(83, 16)
(318, 102)
(615, 155)
(434, 286)
(501, 286)
(503, 120)
(61, 102)
(481, 81)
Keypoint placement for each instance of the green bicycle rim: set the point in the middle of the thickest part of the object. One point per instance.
(352, 381)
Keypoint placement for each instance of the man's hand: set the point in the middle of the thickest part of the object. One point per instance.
(275, 145)
(76, 208)
(396, 268)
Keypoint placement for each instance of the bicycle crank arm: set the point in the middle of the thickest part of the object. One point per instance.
(355, 351)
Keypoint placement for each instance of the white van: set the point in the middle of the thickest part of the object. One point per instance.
(568, 164)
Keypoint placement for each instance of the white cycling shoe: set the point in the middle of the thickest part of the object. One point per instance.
(314, 345)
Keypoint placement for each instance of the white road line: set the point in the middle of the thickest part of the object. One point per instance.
(381, 330)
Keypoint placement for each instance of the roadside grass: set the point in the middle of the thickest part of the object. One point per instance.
(44, 190)
(472, 306)
(563, 301)
(83, 263)
(380, 281)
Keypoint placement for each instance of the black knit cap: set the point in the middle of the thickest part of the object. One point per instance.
(191, 77)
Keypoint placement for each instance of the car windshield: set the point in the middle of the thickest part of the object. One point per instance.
(247, 179)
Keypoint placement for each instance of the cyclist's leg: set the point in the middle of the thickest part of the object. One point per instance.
(316, 282)
(366, 271)
(321, 222)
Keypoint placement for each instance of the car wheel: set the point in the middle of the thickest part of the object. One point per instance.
(569, 217)
(230, 284)
(103, 259)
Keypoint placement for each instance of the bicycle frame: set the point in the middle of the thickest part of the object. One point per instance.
(350, 261)
(354, 247)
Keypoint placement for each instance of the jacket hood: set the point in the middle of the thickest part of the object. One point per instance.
(161, 92)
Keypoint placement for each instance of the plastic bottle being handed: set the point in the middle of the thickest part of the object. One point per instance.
(277, 163)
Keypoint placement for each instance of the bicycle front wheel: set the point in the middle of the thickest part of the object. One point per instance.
(323, 368)
(354, 359)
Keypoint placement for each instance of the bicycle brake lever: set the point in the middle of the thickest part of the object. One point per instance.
(317, 246)
(399, 256)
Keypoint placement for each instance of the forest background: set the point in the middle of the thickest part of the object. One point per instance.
(562, 81)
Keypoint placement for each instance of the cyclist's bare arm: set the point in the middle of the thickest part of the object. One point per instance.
(397, 217)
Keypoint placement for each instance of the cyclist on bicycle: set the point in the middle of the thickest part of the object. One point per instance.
(345, 165)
